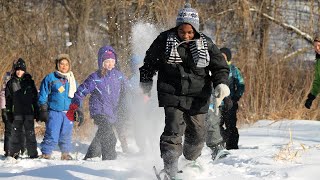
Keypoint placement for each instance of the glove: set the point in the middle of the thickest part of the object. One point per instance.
(235, 98)
(4, 115)
(43, 114)
(146, 88)
(308, 103)
(227, 103)
(220, 92)
(78, 116)
(71, 112)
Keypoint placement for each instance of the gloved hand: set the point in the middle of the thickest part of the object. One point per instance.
(227, 103)
(308, 103)
(220, 92)
(71, 112)
(4, 115)
(235, 98)
(43, 114)
(146, 88)
(78, 117)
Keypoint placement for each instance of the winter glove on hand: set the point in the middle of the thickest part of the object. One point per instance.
(78, 116)
(308, 103)
(146, 88)
(71, 112)
(227, 103)
(4, 115)
(220, 92)
(43, 114)
(235, 98)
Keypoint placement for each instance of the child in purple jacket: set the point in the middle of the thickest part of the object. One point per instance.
(106, 87)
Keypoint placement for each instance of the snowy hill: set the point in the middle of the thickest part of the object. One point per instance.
(266, 152)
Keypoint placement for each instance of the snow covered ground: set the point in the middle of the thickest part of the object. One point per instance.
(267, 151)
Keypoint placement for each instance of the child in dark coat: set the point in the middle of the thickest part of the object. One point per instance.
(21, 109)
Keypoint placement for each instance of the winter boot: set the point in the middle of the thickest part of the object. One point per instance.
(216, 149)
(171, 168)
(66, 156)
(45, 156)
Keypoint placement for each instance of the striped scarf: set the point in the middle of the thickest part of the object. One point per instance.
(198, 48)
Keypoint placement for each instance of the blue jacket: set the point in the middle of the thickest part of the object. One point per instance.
(236, 83)
(54, 92)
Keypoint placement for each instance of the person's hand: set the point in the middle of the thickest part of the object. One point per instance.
(71, 112)
(146, 98)
(43, 114)
(227, 103)
(4, 115)
(78, 116)
(309, 100)
(220, 92)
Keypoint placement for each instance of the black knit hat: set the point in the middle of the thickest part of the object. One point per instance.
(227, 52)
(20, 64)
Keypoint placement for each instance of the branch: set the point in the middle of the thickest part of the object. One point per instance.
(289, 27)
(69, 11)
(304, 35)
(295, 53)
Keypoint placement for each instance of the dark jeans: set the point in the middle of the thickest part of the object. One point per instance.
(177, 124)
(229, 128)
(22, 129)
(104, 142)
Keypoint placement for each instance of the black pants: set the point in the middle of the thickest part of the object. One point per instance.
(7, 135)
(229, 128)
(104, 142)
(177, 124)
(23, 128)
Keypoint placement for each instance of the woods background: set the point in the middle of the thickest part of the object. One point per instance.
(271, 41)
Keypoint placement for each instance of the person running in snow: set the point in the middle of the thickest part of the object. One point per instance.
(56, 92)
(106, 87)
(183, 58)
(228, 124)
(315, 89)
(21, 110)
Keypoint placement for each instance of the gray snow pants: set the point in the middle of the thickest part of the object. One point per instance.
(177, 124)
(213, 129)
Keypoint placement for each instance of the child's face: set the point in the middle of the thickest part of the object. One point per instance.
(64, 66)
(19, 73)
(109, 64)
(185, 32)
(316, 46)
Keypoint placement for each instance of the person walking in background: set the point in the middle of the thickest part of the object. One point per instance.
(315, 89)
(107, 88)
(183, 58)
(56, 92)
(7, 123)
(21, 110)
(228, 124)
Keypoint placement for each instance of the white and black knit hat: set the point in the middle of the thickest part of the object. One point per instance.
(188, 15)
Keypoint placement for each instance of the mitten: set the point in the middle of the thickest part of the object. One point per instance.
(146, 88)
(71, 111)
(43, 114)
(227, 103)
(220, 92)
(308, 103)
(78, 116)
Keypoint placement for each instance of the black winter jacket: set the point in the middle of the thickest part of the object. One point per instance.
(22, 96)
(183, 85)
